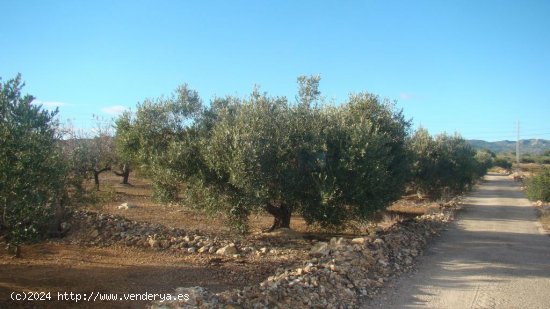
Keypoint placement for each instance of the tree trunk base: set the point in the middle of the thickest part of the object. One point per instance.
(281, 216)
(14, 250)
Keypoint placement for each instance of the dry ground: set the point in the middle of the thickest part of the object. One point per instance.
(59, 266)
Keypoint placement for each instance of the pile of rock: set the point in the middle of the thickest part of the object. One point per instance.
(542, 205)
(106, 229)
(101, 229)
(337, 275)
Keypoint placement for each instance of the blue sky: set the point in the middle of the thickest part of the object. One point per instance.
(475, 67)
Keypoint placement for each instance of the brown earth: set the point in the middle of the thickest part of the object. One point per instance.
(60, 267)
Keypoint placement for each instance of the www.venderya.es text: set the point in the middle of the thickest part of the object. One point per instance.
(96, 296)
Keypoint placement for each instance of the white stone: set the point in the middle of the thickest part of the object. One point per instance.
(126, 206)
(319, 249)
(227, 250)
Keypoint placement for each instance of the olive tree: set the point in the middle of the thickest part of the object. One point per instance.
(327, 163)
(442, 165)
(89, 153)
(264, 155)
(144, 139)
(126, 146)
(485, 160)
(32, 169)
(365, 160)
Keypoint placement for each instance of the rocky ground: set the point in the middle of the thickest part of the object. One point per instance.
(140, 246)
(336, 274)
(101, 229)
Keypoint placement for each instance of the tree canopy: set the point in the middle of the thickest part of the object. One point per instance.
(32, 169)
(328, 163)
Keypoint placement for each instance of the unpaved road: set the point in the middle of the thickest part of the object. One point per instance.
(493, 256)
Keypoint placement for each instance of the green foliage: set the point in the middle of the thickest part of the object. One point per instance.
(538, 187)
(32, 170)
(503, 162)
(365, 161)
(148, 139)
(330, 164)
(78, 157)
(527, 159)
(127, 139)
(485, 160)
(444, 164)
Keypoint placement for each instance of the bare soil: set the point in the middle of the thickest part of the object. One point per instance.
(60, 267)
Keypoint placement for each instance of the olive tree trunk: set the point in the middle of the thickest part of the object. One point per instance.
(96, 175)
(124, 173)
(281, 215)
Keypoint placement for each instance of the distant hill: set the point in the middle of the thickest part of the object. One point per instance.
(532, 146)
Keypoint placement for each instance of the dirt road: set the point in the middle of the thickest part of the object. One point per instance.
(493, 256)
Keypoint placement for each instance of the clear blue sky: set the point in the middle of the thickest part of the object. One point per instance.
(475, 67)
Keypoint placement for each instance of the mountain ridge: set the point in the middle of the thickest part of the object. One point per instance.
(527, 146)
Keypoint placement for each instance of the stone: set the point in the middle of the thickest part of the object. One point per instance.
(204, 249)
(153, 243)
(336, 274)
(126, 206)
(319, 249)
(228, 250)
(94, 233)
(164, 243)
(337, 242)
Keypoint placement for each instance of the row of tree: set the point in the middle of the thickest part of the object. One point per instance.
(329, 163)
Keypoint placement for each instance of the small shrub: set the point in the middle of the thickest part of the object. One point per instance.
(484, 160)
(538, 187)
(543, 160)
(503, 162)
(527, 160)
